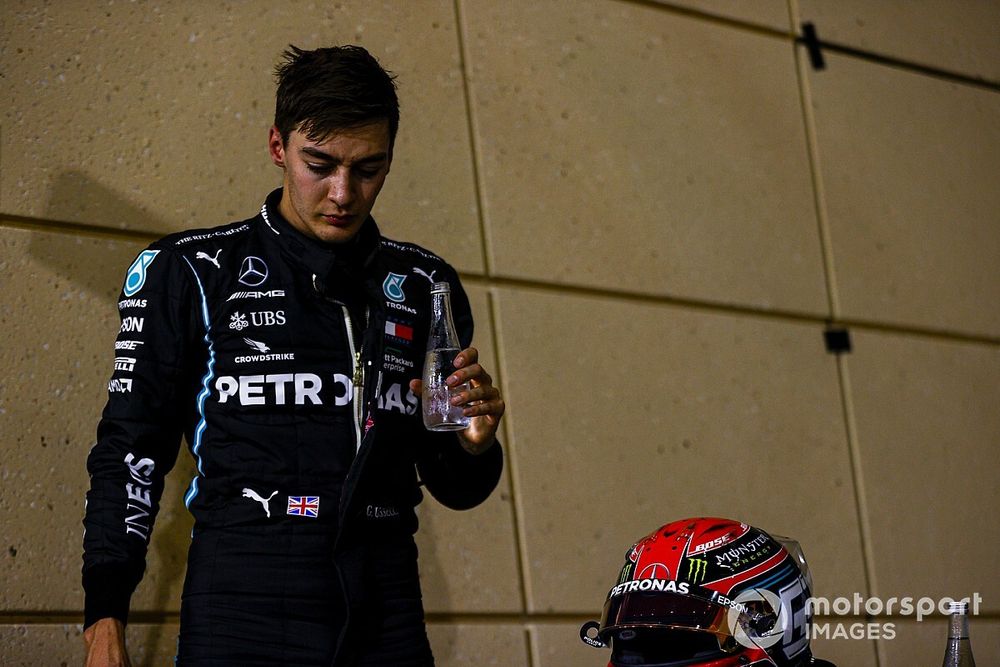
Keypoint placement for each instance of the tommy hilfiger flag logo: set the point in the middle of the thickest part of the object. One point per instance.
(303, 506)
(398, 330)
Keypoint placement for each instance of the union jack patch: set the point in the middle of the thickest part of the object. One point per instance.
(303, 506)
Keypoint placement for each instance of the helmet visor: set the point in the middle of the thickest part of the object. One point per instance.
(657, 609)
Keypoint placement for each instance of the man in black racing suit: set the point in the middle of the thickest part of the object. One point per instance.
(285, 348)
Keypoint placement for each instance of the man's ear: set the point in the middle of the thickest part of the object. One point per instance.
(276, 147)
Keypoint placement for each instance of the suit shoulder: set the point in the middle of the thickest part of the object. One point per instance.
(409, 251)
(207, 235)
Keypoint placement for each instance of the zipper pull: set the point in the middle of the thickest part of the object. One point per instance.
(358, 375)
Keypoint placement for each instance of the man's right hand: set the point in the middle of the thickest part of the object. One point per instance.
(105, 642)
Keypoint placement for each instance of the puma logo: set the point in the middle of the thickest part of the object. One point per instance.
(421, 272)
(253, 495)
(213, 260)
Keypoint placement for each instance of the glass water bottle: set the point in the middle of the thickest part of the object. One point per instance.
(959, 651)
(439, 363)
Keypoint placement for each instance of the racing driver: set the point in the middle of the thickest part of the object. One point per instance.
(285, 349)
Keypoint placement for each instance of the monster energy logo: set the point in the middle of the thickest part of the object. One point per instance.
(696, 570)
(626, 573)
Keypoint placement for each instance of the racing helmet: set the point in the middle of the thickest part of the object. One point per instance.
(708, 592)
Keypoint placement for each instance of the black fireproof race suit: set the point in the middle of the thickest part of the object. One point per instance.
(286, 365)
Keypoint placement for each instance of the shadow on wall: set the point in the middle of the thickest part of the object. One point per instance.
(98, 270)
(75, 197)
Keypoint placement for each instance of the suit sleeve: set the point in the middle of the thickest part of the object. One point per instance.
(139, 433)
(456, 478)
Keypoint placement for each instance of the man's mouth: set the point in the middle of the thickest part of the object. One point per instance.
(337, 220)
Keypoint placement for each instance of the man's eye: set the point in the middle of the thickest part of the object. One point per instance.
(318, 168)
(368, 173)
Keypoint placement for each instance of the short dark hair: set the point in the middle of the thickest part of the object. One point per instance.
(333, 88)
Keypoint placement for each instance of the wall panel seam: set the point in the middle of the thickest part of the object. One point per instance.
(131, 236)
(26, 223)
(860, 498)
(517, 510)
(473, 130)
(815, 173)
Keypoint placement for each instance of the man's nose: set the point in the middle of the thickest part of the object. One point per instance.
(341, 188)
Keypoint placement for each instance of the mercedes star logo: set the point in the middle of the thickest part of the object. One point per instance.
(253, 272)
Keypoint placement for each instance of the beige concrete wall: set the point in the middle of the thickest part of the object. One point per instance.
(658, 206)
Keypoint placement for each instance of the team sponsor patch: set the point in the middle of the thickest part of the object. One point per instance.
(136, 276)
(401, 306)
(128, 344)
(253, 272)
(395, 361)
(409, 247)
(303, 506)
(132, 324)
(214, 259)
(398, 330)
(647, 585)
(393, 287)
(265, 353)
(257, 498)
(421, 272)
(139, 507)
(201, 237)
(284, 389)
(120, 386)
(131, 303)
(256, 295)
(238, 322)
(125, 363)
(262, 318)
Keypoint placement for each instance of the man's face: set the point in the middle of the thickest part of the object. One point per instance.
(330, 185)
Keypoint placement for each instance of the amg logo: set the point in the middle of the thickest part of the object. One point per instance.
(256, 295)
(131, 324)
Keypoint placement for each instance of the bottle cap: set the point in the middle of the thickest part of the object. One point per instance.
(958, 608)
(438, 288)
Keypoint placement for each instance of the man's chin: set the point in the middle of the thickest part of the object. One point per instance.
(336, 235)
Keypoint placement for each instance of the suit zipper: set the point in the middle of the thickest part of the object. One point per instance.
(358, 378)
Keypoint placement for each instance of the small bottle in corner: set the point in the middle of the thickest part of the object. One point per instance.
(442, 348)
(958, 653)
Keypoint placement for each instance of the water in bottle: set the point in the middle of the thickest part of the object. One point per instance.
(439, 362)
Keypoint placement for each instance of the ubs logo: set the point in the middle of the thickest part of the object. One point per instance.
(253, 272)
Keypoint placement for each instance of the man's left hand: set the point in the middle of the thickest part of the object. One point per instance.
(482, 401)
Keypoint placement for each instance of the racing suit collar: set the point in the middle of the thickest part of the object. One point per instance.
(323, 260)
